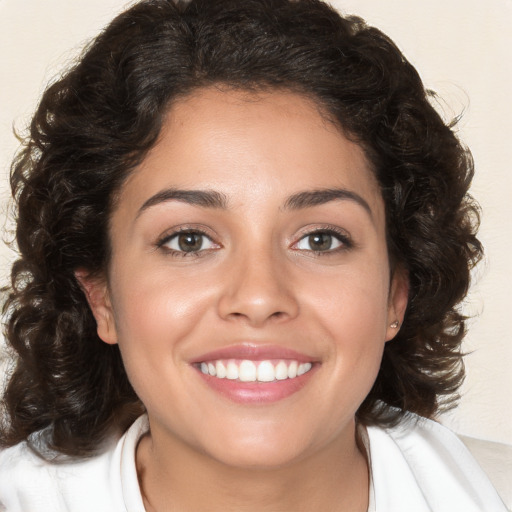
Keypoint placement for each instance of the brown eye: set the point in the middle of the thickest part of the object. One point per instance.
(187, 242)
(320, 241)
(190, 242)
(323, 241)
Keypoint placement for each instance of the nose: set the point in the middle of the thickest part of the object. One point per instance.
(258, 290)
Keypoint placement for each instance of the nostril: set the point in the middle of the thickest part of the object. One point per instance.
(276, 316)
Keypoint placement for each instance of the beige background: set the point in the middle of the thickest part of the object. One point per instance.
(462, 49)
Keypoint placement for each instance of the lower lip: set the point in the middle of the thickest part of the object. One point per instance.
(257, 392)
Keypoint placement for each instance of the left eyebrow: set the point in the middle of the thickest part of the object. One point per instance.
(311, 198)
(203, 198)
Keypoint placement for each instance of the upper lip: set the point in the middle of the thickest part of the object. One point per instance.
(254, 353)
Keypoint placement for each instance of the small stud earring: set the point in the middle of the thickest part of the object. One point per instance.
(395, 324)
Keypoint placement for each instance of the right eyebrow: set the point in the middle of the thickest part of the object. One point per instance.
(204, 198)
(310, 198)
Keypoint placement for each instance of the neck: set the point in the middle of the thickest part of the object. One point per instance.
(334, 478)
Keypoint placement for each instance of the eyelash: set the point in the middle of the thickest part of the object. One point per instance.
(341, 236)
(166, 239)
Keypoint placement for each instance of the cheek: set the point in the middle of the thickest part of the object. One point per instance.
(351, 313)
(155, 314)
(158, 307)
(350, 302)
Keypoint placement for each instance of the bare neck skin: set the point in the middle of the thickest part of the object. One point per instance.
(183, 480)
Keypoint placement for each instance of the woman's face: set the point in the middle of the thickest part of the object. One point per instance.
(249, 287)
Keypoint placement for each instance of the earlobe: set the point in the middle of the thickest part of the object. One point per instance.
(398, 299)
(97, 294)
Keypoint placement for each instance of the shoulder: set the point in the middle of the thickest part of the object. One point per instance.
(30, 483)
(423, 464)
(26, 481)
(496, 460)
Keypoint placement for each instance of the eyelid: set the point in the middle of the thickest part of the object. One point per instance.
(339, 233)
(171, 233)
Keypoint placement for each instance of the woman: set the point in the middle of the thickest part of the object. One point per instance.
(243, 233)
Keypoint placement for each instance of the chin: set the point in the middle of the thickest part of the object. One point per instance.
(257, 459)
(261, 450)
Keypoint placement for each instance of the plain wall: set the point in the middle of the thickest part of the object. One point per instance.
(463, 50)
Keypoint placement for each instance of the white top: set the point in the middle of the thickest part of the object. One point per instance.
(418, 466)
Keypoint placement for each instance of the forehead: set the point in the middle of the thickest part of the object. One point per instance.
(262, 143)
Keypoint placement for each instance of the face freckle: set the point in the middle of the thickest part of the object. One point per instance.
(252, 235)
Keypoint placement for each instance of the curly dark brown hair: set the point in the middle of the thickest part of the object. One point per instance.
(95, 124)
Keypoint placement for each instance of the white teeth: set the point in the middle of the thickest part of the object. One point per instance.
(281, 371)
(303, 368)
(255, 371)
(232, 371)
(211, 369)
(220, 370)
(292, 370)
(266, 372)
(247, 371)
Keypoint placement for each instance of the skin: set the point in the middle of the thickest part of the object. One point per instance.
(255, 280)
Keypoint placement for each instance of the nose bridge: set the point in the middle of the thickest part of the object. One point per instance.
(258, 289)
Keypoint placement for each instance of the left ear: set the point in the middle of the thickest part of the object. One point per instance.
(397, 303)
(96, 292)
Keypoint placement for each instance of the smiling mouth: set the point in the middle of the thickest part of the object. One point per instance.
(246, 370)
